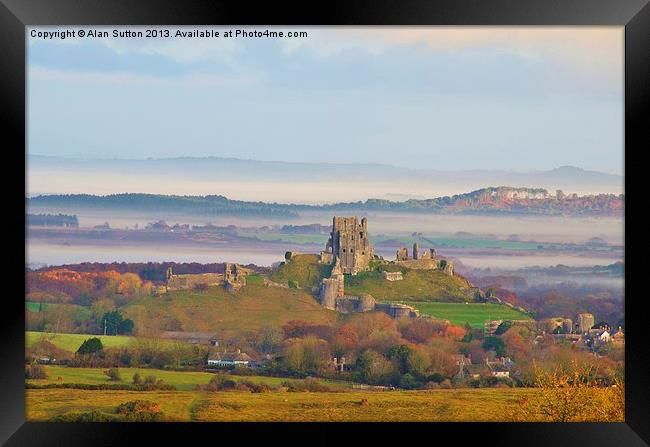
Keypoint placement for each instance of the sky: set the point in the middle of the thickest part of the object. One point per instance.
(447, 98)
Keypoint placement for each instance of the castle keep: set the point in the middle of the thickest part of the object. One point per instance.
(349, 243)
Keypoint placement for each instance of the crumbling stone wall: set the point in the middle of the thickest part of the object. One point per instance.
(393, 276)
(397, 310)
(420, 264)
(234, 277)
(178, 282)
(329, 292)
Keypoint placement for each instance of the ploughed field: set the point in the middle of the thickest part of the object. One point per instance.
(476, 314)
(436, 405)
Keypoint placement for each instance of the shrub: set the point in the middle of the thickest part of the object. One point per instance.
(242, 371)
(35, 371)
(445, 384)
(293, 284)
(102, 386)
(309, 384)
(219, 382)
(140, 411)
(137, 380)
(90, 346)
(113, 374)
(408, 382)
(91, 416)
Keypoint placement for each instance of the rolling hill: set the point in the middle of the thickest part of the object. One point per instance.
(254, 307)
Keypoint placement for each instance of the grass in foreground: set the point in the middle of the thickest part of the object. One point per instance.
(476, 314)
(437, 405)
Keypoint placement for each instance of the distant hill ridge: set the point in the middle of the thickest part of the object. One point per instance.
(490, 200)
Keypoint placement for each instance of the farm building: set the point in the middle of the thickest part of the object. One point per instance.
(224, 358)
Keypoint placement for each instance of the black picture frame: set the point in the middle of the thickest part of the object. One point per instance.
(15, 15)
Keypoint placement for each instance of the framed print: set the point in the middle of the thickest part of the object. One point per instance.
(367, 217)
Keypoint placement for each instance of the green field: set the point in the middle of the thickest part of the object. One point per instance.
(418, 285)
(483, 404)
(71, 342)
(476, 314)
(36, 307)
(182, 380)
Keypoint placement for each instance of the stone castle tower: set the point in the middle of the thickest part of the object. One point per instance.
(349, 243)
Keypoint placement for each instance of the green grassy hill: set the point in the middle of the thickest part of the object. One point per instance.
(252, 308)
(418, 285)
(304, 269)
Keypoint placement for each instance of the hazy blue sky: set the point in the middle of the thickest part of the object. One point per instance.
(445, 98)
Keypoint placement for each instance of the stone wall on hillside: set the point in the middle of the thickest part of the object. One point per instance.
(420, 264)
(179, 282)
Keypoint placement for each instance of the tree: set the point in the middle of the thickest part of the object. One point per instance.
(268, 339)
(495, 344)
(113, 323)
(345, 340)
(401, 355)
(503, 327)
(91, 346)
(306, 355)
(572, 395)
(375, 368)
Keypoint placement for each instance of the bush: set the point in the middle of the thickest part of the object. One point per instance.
(137, 380)
(293, 284)
(242, 371)
(113, 374)
(103, 386)
(90, 346)
(91, 416)
(495, 344)
(309, 384)
(35, 371)
(140, 411)
(408, 382)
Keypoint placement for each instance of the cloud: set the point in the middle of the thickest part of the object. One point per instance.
(37, 73)
(584, 54)
(587, 52)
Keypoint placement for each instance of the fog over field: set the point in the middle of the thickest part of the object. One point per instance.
(383, 227)
(288, 182)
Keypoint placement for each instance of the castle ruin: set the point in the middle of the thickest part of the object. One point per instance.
(349, 243)
(233, 279)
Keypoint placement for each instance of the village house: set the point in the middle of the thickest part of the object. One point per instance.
(618, 339)
(229, 359)
(500, 367)
(339, 364)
